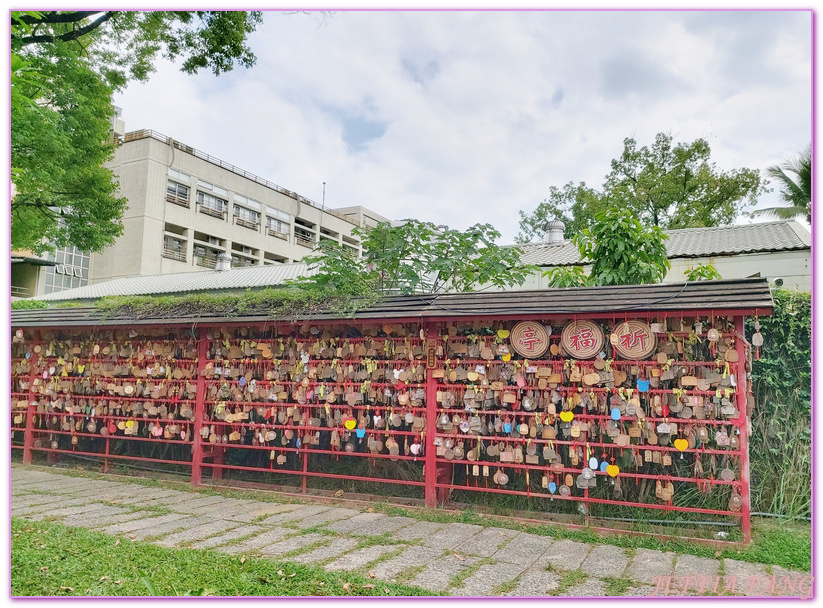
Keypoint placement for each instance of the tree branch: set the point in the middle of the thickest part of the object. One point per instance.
(58, 17)
(69, 36)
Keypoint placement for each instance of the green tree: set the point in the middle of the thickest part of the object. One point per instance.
(677, 186)
(63, 193)
(124, 45)
(702, 272)
(795, 180)
(666, 185)
(574, 205)
(419, 257)
(621, 251)
(566, 276)
(64, 67)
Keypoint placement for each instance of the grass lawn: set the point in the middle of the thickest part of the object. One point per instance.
(49, 559)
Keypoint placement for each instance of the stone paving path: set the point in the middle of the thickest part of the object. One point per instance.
(454, 558)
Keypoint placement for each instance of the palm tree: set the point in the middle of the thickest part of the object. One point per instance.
(796, 190)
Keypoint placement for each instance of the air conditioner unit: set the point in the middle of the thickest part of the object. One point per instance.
(214, 240)
(247, 250)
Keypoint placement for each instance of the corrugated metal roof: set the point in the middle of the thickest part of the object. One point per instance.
(695, 243)
(734, 294)
(184, 282)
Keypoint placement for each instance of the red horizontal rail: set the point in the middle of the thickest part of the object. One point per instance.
(544, 469)
(106, 456)
(235, 467)
(643, 505)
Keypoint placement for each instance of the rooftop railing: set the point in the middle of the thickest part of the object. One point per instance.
(148, 133)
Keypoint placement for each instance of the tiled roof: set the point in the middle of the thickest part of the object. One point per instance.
(695, 243)
(183, 282)
(734, 294)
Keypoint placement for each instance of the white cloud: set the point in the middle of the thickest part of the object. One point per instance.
(465, 117)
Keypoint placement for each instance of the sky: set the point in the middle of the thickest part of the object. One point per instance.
(467, 117)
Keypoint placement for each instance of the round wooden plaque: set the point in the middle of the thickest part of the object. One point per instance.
(529, 339)
(582, 339)
(635, 339)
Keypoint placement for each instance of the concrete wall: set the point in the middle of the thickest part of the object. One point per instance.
(794, 267)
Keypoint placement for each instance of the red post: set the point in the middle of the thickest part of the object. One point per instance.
(199, 409)
(742, 421)
(430, 457)
(31, 408)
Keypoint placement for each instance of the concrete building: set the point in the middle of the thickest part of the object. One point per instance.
(780, 251)
(187, 207)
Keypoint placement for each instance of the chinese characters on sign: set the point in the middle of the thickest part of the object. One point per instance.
(530, 339)
(582, 339)
(634, 339)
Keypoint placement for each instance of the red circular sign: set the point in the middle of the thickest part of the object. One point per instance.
(529, 339)
(634, 339)
(582, 339)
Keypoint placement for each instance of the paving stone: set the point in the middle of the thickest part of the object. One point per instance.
(389, 524)
(411, 557)
(693, 574)
(176, 499)
(291, 544)
(591, 587)
(255, 542)
(487, 577)
(333, 549)
(230, 535)
(566, 554)
(149, 520)
(605, 560)
(437, 574)
(361, 524)
(790, 583)
(525, 549)
(171, 527)
(47, 506)
(642, 591)
(299, 514)
(487, 542)
(23, 476)
(647, 565)
(452, 535)
(49, 485)
(746, 578)
(422, 529)
(224, 509)
(142, 498)
(195, 533)
(361, 557)
(68, 486)
(334, 514)
(535, 581)
(94, 523)
(192, 505)
(61, 511)
(263, 509)
(94, 512)
(29, 500)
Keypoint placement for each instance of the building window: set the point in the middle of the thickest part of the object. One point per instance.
(72, 269)
(211, 205)
(246, 217)
(238, 261)
(177, 194)
(205, 256)
(278, 228)
(180, 176)
(174, 249)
